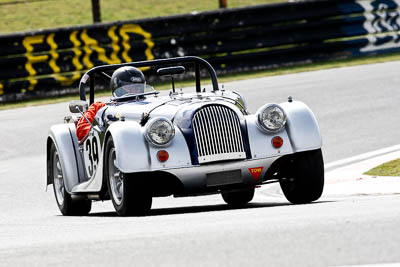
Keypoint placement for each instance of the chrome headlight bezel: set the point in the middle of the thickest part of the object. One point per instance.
(268, 108)
(149, 130)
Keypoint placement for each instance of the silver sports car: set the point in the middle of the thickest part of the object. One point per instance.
(142, 145)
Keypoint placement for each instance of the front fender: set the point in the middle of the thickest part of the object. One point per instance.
(130, 146)
(261, 142)
(135, 154)
(63, 140)
(302, 126)
(301, 133)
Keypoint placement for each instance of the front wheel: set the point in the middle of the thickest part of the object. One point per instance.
(238, 198)
(66, 204)
(303, 181)
(128, 192)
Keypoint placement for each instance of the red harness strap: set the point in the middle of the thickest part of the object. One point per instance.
(83, 127)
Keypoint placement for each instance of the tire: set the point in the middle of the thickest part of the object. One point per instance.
(68, 205)
(238, 198)
(129, 194)
(303, 182)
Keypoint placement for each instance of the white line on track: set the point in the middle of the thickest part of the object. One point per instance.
(361, 157)
(373, 265)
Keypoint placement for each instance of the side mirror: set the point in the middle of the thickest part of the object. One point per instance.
(78, 106)
(171, 71)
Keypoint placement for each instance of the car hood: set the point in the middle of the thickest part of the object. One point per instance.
(178, 107)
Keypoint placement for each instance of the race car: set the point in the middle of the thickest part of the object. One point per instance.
(142, 145)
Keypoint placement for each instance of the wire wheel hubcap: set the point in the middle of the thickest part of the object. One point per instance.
(116, 178)
(59, 187)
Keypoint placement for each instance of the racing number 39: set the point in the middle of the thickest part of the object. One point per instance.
(93, 155)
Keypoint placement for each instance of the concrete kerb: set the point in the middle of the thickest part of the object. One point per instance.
(346, 178)
(350, 180)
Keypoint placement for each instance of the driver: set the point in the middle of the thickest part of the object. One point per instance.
(125, 80)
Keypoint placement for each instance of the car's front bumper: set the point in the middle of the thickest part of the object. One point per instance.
(209, 176)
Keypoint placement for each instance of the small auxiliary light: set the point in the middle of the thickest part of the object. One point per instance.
(162, 155)
(277, 142)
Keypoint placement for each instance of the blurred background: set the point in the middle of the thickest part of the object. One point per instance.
(26, 15)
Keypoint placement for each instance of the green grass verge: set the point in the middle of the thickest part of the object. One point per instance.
(60, 13)
(227, 78)
(391, 168)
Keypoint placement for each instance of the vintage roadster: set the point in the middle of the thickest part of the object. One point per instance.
(143, 145)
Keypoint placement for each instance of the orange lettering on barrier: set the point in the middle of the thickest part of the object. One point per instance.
(256, 172)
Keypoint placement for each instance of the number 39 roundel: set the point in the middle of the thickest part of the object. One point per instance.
(91, 153)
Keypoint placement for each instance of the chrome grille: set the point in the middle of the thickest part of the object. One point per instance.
(218, 135)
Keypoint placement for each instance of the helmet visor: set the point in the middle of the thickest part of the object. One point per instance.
(133, 89)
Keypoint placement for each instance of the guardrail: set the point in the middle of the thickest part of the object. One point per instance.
(50, 62)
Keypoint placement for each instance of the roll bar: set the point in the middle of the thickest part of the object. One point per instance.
(99, 70)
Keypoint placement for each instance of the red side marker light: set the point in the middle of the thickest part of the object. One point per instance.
(277, 141)
(162, 155)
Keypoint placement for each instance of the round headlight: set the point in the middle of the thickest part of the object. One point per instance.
(160, 131)
(271, 118)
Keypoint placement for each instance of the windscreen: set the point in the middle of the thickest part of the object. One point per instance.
(133, 89)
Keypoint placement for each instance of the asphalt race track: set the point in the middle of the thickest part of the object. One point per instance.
(358, 109)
